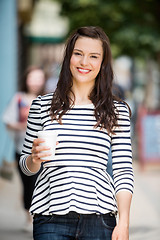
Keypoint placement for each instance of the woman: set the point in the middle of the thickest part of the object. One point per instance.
(15, 118)
(74, 197)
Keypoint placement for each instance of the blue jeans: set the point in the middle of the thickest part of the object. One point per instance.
(73, 226)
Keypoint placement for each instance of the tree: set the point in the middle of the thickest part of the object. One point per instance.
(133, 26)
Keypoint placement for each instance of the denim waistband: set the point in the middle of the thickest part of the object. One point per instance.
(73, 214)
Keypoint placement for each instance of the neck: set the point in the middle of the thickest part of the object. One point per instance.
(31, 94)
(81, 93)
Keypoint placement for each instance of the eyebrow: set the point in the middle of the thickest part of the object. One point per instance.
(82, 51)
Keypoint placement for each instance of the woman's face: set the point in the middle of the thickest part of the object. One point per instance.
(35, 81)
(86, 59)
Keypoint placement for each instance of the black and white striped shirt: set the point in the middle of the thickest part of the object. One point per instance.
(76, 179)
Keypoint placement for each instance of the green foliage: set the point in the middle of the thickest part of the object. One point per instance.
(133, 26)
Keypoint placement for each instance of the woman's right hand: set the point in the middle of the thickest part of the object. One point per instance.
(39, 151)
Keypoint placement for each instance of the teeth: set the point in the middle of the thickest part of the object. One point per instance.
(83, 70)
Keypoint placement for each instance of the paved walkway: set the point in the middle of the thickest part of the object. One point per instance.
(12, 214)
(145, 210)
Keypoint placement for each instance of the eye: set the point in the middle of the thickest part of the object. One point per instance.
(94, 56)
(77, 53)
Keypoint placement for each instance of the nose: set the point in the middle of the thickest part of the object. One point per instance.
(84, 61)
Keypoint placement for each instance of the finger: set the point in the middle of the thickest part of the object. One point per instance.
(37, 157)
(37, 141)
(41, 155)
(38, 149)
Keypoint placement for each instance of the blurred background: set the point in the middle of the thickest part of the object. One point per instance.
(33, 32)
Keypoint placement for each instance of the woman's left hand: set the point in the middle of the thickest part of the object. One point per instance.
(120, 232)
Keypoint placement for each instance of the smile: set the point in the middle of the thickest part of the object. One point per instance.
(82, 70)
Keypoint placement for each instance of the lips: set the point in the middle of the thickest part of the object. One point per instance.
(84, 71)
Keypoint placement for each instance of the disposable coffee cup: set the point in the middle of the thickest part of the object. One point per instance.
(50, 138)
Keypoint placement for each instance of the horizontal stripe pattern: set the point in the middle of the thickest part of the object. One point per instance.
(76, 179)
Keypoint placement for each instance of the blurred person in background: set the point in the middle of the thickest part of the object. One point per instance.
(74, 196)
(15, 119)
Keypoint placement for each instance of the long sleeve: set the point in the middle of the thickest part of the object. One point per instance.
(10, 114)
(33, 126)
(122, 152)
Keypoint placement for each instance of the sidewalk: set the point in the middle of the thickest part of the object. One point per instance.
(12, 214)
(145, 210)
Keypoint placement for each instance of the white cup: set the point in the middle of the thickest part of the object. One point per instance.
(50, 137)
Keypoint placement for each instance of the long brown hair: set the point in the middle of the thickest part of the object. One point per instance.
(101, 95)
